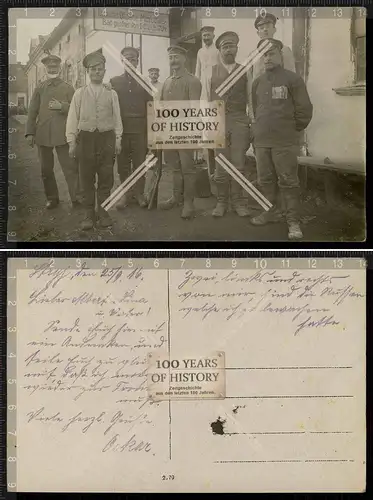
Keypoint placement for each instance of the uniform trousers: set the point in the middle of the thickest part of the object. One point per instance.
(96, 152)
(183, 172)
(277, 169)
(133, 154)
(69, 169)
(237, 137)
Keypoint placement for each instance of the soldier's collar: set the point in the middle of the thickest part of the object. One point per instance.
(51, 81)
(179, 75)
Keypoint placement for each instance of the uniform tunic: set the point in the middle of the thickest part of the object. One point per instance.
(48, 125)
(258, 69)
(281, 107)
(181, 87)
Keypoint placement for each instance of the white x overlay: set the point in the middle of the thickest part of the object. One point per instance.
(245, 183)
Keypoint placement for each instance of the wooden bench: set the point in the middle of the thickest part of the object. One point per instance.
(329, 170)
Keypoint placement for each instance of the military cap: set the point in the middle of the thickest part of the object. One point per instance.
(227, 37)
(93, 59)
(274, 43)
(211, 29)
(153, 69)
(130, 50)
(49, 58)
(267, 18)
(177, 49)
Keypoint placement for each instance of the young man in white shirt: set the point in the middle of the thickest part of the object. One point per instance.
(207, 57)
(94, 133)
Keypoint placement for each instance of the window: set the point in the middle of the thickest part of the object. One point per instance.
(128, 39)
(358, 42)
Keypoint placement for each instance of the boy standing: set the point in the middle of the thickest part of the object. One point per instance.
(94, 133)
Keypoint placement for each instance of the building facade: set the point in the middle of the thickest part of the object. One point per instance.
(18, 86)
(336, 81)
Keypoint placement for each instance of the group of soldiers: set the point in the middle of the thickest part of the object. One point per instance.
(267, 107)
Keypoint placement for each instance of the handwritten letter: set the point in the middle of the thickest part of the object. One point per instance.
(293, 414)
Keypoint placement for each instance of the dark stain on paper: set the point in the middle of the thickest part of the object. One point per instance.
(218, 426)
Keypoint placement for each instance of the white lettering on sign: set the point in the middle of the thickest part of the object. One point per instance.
(134, 21)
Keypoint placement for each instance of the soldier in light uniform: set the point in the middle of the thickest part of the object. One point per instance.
(45, 127)
(236, 126)
(181, 86)
(282, 110)
(133, 100)
(207, 57)
(94, 133)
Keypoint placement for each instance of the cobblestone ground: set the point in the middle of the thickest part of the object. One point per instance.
(29, 221)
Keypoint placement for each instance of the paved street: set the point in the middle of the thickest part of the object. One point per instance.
(30, 222)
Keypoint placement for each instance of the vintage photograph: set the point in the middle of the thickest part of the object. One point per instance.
(187, 124)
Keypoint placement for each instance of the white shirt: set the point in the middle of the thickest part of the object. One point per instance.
(93, 107)
(207, 57)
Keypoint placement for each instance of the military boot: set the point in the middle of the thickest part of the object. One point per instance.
(290, 200)
(189, 194)
(273, 215)
(222, 189)
(104, 218)
(89, 219)
(239, 198)
(177, 194)
(294, 231)
(123, 202)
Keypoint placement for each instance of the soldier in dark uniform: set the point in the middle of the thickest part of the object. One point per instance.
(282, 109)
(45, 127)
(237, 132)
(181, 86)
(133, 100)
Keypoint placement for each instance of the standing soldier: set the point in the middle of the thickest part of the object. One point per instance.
(266, 28)
(207, 57)
(94, 133)
(282, 109)
(236, 126)
(181, 86)
(133, 100)
(46, 125)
